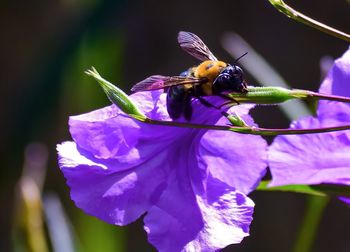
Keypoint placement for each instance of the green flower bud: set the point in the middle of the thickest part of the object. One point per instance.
(268, 95)
(116, 95)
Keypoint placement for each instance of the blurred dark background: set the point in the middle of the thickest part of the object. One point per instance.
(47, 45)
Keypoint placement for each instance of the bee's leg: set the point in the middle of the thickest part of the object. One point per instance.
(206, 103)
(229, 100)
(209, 105)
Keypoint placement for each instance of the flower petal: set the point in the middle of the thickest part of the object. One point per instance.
(238, 160)
(235, 159)
(181, 221)
(227, 215)
(107, 133)
(312, 158)
(175, 219)
(337, 82)
(115, 197)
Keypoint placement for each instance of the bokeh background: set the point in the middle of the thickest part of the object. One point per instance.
(47, 45)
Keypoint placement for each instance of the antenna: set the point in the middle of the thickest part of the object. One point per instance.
(240, 57)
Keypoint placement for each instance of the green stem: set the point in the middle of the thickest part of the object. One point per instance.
(275, 95)
(242, 130)
(291, 13)
(312, 218)
(337, 98)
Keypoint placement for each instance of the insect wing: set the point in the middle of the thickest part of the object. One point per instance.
(193, 45)
(155, 82)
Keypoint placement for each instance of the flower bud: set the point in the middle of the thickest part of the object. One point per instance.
(116, 95)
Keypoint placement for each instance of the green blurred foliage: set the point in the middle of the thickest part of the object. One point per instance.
(82, 94)
(105, 52)
(95, 235)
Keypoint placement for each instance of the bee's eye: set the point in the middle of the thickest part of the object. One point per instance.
(227, 70)
(221, 83)
(237, 70)
(230, 79)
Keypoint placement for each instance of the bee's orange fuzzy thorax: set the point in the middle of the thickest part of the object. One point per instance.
(209, 69)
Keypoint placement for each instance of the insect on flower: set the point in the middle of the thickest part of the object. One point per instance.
(211, 77)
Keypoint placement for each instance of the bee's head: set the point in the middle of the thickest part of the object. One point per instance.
(230, 79)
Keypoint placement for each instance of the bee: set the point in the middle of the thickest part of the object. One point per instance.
(210, 77)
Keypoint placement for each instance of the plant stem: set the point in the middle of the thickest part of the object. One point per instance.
(337, 98)
(243, 130)
(291, 13)
(276, 95)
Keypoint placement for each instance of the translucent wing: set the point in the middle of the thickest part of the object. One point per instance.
(158, 82)
(193, 45)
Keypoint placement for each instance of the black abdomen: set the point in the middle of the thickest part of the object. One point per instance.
(178, 100)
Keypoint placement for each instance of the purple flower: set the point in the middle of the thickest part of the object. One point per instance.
(191, 183)
(317, 158)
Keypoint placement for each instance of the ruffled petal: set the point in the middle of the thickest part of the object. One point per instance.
(175, 219)
(235, 159)
(238, 160)
(108, 133)
(337, 82)
(115, 197)
(187, 220)
(105, 133)
(310, 159)
(227, 214)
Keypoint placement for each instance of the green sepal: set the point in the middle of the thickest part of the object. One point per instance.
(268, 95)
(236, 120)
(281, 6)
(116, 95)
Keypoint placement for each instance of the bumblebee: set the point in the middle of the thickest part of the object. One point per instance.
(211, 77)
